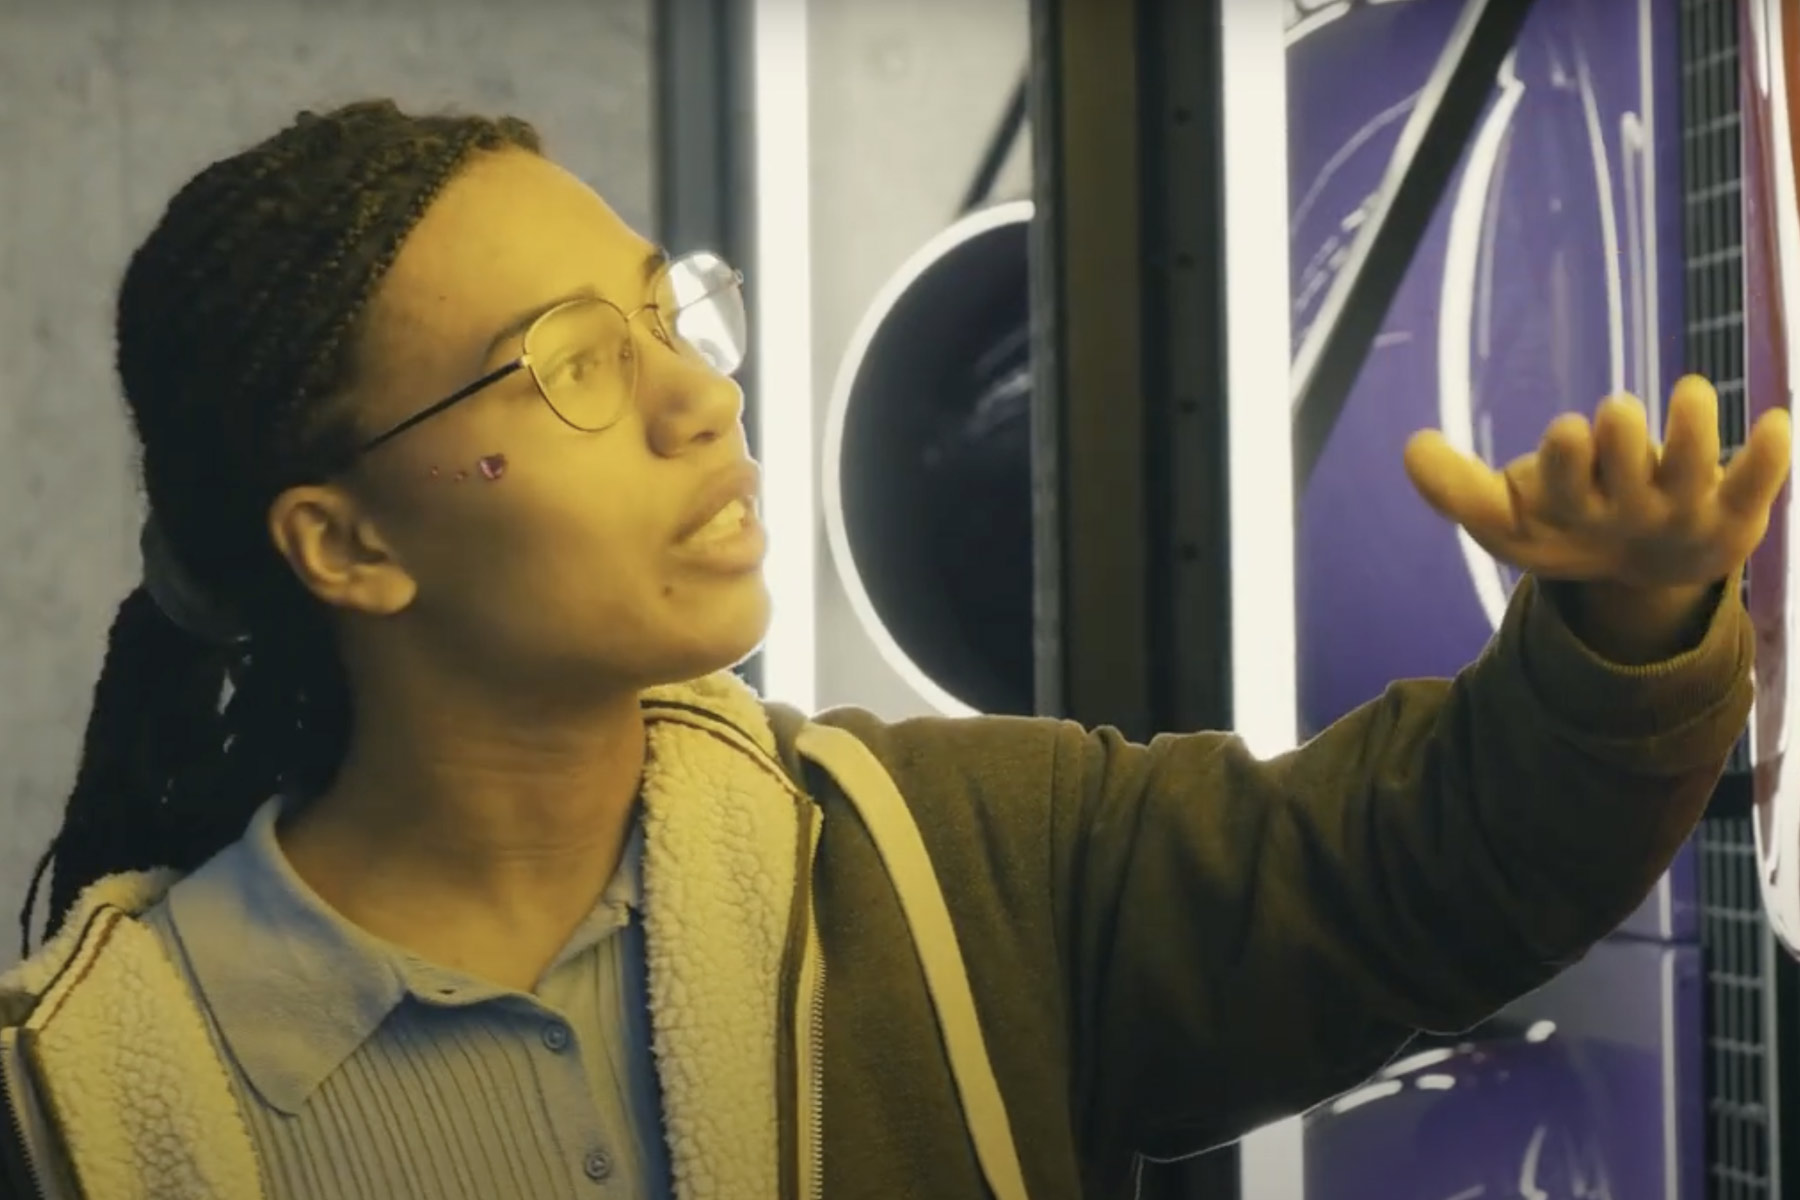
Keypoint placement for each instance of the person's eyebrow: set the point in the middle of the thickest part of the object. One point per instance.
(653, 263)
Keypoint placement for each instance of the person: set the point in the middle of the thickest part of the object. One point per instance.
(423, 844)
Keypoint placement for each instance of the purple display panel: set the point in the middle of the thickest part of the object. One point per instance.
(1550, 276)
(1633, 1016)
(1588, 1088)
(1494, 1116)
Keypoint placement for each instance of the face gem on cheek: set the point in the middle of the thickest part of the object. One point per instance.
(490, 467)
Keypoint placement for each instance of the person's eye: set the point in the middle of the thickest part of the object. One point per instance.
(575, 368)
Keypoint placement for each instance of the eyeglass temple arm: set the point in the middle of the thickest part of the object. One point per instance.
(488, 380)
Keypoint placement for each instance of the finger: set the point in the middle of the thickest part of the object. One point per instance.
(1759, 468)
(1690, 454)
(1459, 487)
(1566, 468)
(1622, 452)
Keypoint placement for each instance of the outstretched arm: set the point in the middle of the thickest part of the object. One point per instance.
(1246, 938)
(1451, 844)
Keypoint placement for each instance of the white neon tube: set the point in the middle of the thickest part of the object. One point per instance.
(1265, 706)
(783, 347)
(1254, 87)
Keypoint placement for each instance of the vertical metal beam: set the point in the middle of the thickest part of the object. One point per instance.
(704, 182)
(1049, 439)
(1129, 458)
(1088, 362)
(1185, 399)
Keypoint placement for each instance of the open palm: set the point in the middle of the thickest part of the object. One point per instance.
(1604, 502)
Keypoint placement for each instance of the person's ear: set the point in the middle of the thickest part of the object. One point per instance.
(336, 550)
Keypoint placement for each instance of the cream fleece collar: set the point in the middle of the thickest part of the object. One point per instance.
(131, 1077)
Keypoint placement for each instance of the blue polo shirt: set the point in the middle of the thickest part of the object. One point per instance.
(366, 1073)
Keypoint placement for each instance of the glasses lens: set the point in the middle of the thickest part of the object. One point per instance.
(582, 357)
(701, 299)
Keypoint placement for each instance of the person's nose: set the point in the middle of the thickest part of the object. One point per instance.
(687, 404)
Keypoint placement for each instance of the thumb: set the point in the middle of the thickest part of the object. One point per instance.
(1457, 486)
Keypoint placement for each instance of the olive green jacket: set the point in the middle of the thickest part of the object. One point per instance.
(1155, 948)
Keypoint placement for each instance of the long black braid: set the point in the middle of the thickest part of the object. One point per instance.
(239, 322)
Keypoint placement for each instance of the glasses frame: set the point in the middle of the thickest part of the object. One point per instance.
(524, 362)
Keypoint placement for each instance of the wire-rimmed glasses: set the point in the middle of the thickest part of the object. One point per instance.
(583, 356)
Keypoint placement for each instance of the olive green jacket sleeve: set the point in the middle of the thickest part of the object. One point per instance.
(1172, 944)
(1244, 937)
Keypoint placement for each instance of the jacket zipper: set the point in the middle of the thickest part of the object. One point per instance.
(801, 1067)
(818, 1075)
(19, 1175)
(811, 1051)
(16, 1169)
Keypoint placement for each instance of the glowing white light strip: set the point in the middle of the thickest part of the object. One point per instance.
(784, 351)
(1263, 676)
(1257, 348)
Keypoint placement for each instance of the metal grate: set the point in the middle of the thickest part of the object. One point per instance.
(1740, 1130)
(1713, 217)
(1735, 941)
(1712, 203)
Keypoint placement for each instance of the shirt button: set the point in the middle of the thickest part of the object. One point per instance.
(597, 1165)
(556, 1037)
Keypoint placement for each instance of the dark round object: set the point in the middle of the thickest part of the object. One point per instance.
(927, 487)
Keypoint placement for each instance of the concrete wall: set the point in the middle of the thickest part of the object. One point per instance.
(106, 106)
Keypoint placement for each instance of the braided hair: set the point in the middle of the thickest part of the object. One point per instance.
(239, 323)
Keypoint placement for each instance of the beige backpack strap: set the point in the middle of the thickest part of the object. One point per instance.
(868, 786)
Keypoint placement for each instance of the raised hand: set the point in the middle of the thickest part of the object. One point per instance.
(1605, 504)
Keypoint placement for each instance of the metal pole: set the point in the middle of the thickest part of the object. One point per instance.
(1088, 282)
(703, 126)
(1129, 463)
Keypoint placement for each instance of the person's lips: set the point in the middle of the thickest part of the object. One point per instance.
(725, 506)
